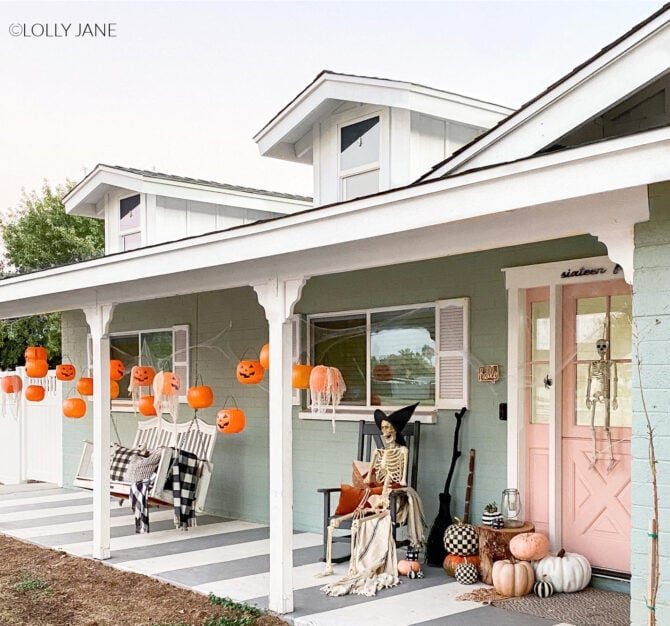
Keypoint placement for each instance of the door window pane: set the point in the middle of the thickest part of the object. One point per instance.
(402, 347)
(130, 214)
(539, 365)
(359, 144)
(132, 241)
(360, 185)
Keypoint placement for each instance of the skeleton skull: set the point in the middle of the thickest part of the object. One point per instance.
(601, 346)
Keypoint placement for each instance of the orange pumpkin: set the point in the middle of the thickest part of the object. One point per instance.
(11, 384)
(66, 371)
(264, 356)
(146, 406)
(529, 546)
(74, 407)
(230, 421)
(114, 390)
(37, 369)
(301, 376)
(36, 353)
(405, 567)
(318, 378)
(116, 369)
(142, 376)
(452, 561)
(34, 393)
(200, 397)
(250, 372)
(85, 386)
(168, 385)
(382, 372)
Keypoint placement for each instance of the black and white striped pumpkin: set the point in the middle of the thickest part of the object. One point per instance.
(543, 588)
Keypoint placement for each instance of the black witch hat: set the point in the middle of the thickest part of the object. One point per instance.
(398, 419)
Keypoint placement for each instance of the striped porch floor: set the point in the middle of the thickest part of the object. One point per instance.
(230, 559)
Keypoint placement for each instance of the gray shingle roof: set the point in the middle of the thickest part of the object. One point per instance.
(208, 183)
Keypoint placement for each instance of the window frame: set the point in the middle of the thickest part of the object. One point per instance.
(426, 413)
(131, 231)
(125, 404)
(376, 166)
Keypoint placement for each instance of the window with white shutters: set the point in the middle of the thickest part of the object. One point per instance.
(453, 382)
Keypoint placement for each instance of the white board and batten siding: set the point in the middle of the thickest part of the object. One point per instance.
(453, 350)
(31, 433)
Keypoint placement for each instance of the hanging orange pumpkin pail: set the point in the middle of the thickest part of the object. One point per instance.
(301, 374)
(230, 421)
(66, 371)
(74, 408)
(37, 369)
(318, 378)
(11, 384)
(85, 386)
(116, 369)
(264, 356)
(34, 393)
(36, 353)
(200, 397)
(142, 376)
(250, 372)
(168, 383)
(146, 407)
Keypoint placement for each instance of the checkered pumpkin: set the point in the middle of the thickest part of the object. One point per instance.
(467, 574)
(461, 539)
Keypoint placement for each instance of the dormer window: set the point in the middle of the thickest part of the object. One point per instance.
(359, 158)
(130, 226)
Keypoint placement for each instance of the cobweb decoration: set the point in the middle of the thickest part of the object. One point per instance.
(327, 388)
(166, 394)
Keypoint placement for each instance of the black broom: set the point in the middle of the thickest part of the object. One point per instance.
(435, 550)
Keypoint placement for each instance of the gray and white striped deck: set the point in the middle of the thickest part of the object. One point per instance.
(230, 559)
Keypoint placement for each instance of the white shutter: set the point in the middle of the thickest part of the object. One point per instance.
(296, 349)
(180, 358)
(452, 382)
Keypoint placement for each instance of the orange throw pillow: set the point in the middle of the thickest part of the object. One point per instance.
(350, 498)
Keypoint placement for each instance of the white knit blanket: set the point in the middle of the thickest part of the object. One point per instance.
(374, 562)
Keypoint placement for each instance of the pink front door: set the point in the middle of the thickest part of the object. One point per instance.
(596, 478)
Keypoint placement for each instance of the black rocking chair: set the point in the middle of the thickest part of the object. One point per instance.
(369, 435)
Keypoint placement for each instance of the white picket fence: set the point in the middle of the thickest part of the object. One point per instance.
(31, 433)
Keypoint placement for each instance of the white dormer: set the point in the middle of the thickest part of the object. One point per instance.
(365, 135)
(143, 208)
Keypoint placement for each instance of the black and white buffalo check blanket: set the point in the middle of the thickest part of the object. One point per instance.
(184, 482)
(139, 503)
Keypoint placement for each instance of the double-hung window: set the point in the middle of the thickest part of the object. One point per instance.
(359, 158)
(164, 349)
(396, 356)
(130, 222)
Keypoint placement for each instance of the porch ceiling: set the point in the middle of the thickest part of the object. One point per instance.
(586, 190)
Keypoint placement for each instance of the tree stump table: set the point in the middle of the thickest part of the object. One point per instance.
(494, 546)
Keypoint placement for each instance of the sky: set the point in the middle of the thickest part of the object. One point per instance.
(182, 87)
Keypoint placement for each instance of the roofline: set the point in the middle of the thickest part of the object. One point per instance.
(323, 74)
(454, 182)
(545, 92)
(140, 174)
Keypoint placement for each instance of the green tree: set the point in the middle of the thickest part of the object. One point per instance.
(39, 235)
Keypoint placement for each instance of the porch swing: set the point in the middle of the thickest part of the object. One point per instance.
(155, 434)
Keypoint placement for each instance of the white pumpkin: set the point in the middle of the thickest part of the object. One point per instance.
(567, 571)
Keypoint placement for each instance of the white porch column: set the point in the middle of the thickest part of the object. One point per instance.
(278, 298)
(98, 318)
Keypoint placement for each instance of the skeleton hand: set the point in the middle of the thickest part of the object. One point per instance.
(588, 403)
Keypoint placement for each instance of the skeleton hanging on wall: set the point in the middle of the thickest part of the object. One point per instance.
(601, 389)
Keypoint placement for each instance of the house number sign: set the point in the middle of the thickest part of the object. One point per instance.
(589, 271)
(489, 374)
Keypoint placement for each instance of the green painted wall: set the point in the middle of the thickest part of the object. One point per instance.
(323, 459)
(651, 308)
(225, 324)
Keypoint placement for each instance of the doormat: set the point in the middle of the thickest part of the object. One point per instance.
(590, 607)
